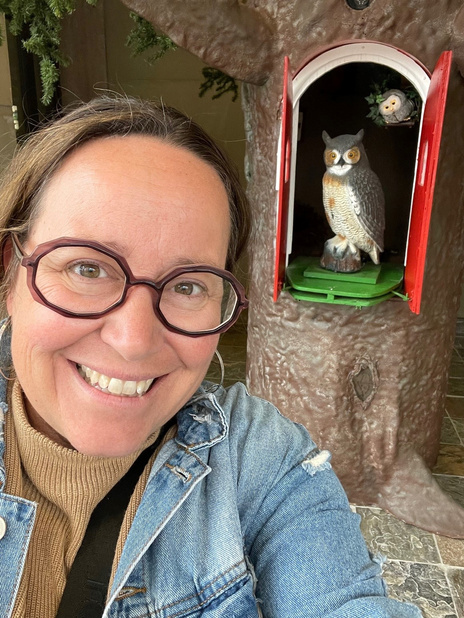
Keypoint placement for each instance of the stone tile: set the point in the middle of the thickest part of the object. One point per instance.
(213, 375)
(395, 539)
(456, 582)
(453, 485)
(233, 372)
(232, 354)
(450, 460)
(455, 407)
(459, 342)
(456, 369)
(424, 585)
(455, 387)
(451, 550)
(237, 376)
(449, 435)
(459, 426)
(235, 337)
(460, 327)
(456, 355)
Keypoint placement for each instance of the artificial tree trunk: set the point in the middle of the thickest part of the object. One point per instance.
(305, 357)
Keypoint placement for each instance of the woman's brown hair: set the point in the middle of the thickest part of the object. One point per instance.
(43, 152)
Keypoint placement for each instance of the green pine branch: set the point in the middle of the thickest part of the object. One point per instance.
(220, 82)
(38, 23)
(143, 37)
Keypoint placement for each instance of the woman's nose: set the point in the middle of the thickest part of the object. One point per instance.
(133, 329)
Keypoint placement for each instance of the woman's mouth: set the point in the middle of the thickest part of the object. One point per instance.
(114, 386)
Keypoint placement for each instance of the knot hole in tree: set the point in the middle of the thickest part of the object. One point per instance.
(364, 380)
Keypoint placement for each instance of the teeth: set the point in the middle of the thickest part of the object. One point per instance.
(129, 388)
(103, 381)
(114, 386)
(124, 388)
(143, 386)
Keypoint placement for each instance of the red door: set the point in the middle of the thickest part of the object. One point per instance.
(284, 182)
(429, 148)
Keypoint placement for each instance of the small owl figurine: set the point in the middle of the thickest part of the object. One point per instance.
(395, 107)
(353, 202)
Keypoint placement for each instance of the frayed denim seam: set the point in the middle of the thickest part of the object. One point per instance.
(254, 579)
(316, 461)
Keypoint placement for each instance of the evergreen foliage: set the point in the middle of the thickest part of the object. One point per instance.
(222, 83)
(38, 24)
(143, 37)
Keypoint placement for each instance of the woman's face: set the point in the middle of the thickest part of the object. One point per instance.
(159, 206)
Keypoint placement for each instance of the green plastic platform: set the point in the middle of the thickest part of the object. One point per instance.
(370, 286)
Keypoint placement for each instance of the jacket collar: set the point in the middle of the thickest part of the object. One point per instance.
(202, 421)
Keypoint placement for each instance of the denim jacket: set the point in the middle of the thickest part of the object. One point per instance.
(242, 516)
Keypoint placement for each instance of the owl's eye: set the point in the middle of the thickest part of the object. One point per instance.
(393, 102)
(352, 155)
(330, 157)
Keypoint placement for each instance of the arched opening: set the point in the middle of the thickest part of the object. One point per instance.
(336, 103)
(329, 93)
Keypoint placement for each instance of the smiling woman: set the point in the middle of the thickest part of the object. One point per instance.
(120, 223)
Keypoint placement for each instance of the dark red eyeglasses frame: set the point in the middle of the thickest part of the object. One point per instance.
(30, 262)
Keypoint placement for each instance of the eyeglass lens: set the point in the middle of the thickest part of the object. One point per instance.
(86, 281)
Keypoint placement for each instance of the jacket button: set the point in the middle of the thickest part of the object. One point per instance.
(2, 527)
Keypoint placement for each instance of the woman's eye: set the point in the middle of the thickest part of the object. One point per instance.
(188, 288)
(88, 270)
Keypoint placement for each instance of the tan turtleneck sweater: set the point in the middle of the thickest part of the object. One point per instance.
(67, 486)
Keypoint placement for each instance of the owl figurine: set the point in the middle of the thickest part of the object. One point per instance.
(354, 204)
(395, 107)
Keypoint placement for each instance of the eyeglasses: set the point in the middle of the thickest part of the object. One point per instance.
(85, 279)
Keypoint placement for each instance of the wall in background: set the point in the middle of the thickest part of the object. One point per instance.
(95, 38)
(7, 131)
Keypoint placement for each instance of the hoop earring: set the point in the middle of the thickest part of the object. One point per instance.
(215, 387)
(6, 324)
(221, 365)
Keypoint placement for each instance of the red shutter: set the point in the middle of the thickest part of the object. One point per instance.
(284, 182)
(429, 148)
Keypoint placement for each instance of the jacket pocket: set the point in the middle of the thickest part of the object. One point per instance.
(238, 601)
(234, 599)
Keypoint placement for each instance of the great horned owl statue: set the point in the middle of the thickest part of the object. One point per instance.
(395, 107)
(353, 202)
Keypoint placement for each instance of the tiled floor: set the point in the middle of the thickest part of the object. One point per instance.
(421, 567)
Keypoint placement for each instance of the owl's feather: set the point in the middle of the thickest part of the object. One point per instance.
(368, 203)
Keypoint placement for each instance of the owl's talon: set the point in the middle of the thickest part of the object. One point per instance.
(341, 256)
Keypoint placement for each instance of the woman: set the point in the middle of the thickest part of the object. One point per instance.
(118, 222)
